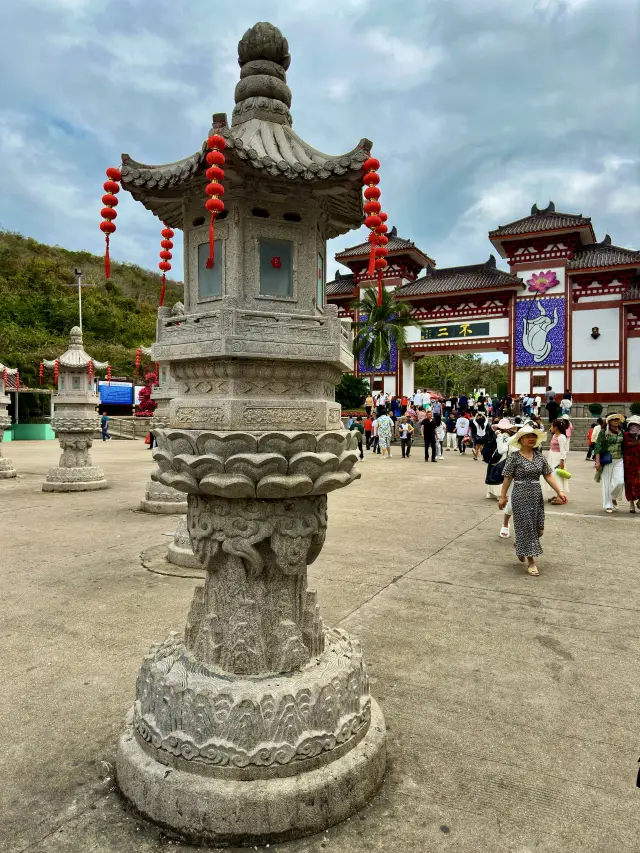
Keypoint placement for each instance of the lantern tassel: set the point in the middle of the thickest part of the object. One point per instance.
(163, 289)
(379, 287)
(372, 256)
(107, 259)
(212, 242)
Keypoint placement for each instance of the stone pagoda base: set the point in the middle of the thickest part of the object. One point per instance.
(7, 471)
(87, 479)
(163, 500)
(180, 552)
(284, 755)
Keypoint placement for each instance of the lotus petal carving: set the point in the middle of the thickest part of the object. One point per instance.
(256, 465)
(228, 486)
(284, 487)
(313, 464)
(226, 444)
(287, 444)
(329, 482)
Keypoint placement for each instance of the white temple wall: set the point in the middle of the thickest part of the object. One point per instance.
(608, 380)
(523, 380)
(582, 382)
(390, 385)
(633, 365)
(408, 376)
(604, 348)
(525, 275)
(556, 381)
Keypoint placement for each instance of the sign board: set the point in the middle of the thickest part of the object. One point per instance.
(454, 330)
(116, 394)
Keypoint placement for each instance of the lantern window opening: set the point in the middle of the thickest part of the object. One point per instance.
(292, 217)
(260, 212)
(210, 279)
(199, 220)
(276, 268)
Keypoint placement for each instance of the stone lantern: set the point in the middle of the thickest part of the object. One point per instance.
(75, 420)
(7, 471)
(159, 498)
(256, 723)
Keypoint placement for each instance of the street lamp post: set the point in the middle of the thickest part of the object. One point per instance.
(79, 284)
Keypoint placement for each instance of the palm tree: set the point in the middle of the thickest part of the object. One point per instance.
(378, 327)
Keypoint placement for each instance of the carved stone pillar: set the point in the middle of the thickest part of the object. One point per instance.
(7, 471)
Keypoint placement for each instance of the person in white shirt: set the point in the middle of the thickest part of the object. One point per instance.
(426, 399)
(536, 404)
(417, 400)
(462, 429)
(375, 447)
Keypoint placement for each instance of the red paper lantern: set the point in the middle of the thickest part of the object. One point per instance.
(372, 192)
(372, 207)
(276, 263)
(108, 214)
(215, 174)
(165, 255)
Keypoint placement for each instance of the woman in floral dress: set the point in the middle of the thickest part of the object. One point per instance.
(524, 468)
(385, 430)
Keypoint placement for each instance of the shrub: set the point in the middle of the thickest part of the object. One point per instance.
(595, 409)
(351, 391)
(635, 408)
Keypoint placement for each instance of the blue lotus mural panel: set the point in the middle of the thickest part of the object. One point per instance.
(540, 332)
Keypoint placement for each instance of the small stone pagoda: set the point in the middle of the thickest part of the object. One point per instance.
(75, 419)
(256, 723)
(7, 471)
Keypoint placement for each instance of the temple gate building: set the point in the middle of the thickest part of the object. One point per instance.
(567, 313)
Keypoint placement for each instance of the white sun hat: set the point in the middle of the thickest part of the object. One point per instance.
(528, 430)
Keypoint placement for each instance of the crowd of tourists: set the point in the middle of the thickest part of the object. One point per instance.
(517, 474)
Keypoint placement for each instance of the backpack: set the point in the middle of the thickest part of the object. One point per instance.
(490, 448)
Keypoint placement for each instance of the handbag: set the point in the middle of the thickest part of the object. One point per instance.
(563, 473)
(495, 475)
(606, 458)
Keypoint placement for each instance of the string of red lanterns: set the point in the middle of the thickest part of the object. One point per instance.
(56, 371)
(108, 212)
(375, 219)
(165, 255)
(109, 374)
(4, 380)
(41, 372)
(214, 189)
(17, 380)
(138, 359)
(90, 371)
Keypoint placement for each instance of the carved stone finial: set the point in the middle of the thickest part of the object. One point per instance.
(262, 91)
(550, 208)
(535, 210)
(338, 276)
(393, 232)
(491, 263)
(606, 241)
(75, 337)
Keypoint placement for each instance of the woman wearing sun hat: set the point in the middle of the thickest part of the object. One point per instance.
(609, 462)
(631, 458)
(524, 468)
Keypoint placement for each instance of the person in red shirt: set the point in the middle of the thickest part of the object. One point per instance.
(368, 427)
(404, 405)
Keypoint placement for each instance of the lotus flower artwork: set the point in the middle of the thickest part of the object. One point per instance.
(540, 282)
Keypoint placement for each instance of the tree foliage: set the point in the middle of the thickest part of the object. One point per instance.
(380, 326)
(459, 373)
(37, 309)
(352, 391)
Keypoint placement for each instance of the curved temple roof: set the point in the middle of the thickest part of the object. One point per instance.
(75, 356)
(261, 138)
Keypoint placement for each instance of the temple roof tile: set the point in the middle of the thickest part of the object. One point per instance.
(547, 219)
(472, 277)
(603, 255)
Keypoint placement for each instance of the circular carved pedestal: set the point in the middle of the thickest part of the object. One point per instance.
(180, 552)
(227, 750)
(86, 479)
(7, 471)
(163, 500)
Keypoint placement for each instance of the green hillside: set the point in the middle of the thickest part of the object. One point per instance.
(37, 310)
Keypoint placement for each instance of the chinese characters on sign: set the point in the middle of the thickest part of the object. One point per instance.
(455, 330)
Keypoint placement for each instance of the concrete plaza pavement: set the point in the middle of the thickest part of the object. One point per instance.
(511, 702)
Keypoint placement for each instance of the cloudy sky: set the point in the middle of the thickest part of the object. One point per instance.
(477, 108)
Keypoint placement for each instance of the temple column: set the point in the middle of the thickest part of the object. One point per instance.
(408, 376)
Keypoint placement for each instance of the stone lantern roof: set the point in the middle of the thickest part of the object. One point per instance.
(259, 140)
(75, 356)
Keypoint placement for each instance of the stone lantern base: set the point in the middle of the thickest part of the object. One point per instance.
(294, 753)
(222, 811)
(7, 471)
(163, 500)
(180, 552)
(87, 479)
